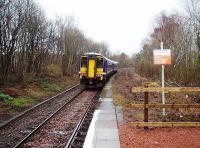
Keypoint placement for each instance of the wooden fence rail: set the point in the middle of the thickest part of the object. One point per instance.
(159, 105)
(166, 124)
(146, 106)
(166, 89)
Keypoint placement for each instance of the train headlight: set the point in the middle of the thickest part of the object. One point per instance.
(82, 73)
(98, 75)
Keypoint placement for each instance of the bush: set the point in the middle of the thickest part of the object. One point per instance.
(19, 102)
(4, 97)
(54, 70)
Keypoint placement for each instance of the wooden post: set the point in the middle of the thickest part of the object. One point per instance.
(146, 100)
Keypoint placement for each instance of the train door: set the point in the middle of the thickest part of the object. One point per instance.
(91, 68)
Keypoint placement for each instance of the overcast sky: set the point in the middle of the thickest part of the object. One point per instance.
(123, 24)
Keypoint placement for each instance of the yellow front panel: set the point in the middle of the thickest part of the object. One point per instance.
(83, 69)
(91, 67)
(99, 70)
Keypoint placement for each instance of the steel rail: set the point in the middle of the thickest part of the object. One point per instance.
(41, 103)
(45, 121)
(75, 132)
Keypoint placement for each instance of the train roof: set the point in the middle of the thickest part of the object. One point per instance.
(98, 54)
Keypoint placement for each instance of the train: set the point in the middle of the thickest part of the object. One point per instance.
(96, 69)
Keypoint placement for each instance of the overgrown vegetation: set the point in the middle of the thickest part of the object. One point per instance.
(123, 96)
(17, 102)
(46, 85)
(36, 90)
(20, 102)
(180, 33)
(4, 97)
(54, 70)
(31, 44)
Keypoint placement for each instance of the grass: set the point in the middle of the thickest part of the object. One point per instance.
(46, 85)
(51, 87)
(20, 102)
(118, 99)
(4, 97)
(36, 90)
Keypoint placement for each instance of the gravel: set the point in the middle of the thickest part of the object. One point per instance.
(15, 131)
(58, 129)
(159, 137)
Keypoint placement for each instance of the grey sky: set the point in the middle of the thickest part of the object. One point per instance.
(123, 24)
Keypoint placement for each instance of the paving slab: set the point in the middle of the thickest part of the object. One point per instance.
(106, 124)
(105, 111)
(103, 130)
(106, 117)
(107, 134)
(107, 144)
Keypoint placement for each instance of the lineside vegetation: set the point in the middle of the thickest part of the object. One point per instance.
(31, 44)
(180, 32)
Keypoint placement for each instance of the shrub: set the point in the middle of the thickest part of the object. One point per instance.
(54, 70)
(4, 97)
(19, 102)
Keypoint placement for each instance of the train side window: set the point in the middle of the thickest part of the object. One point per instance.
(99, 63)
(84, 62)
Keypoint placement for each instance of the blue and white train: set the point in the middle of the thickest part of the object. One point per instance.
(95, 69)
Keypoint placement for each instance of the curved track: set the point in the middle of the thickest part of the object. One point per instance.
(57, 130)
(13, 132)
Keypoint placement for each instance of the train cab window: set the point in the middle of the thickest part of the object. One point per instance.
(84, 62)
(99, 63)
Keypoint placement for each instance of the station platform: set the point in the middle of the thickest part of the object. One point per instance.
(103, 130)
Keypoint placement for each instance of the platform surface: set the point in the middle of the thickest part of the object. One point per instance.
(103, 130)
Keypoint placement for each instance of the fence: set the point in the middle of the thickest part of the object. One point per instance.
(147, 106)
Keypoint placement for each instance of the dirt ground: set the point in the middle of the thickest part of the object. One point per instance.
(33, 90)
(130, 136)
(159, 137)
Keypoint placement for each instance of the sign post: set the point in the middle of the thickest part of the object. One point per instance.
(163, 80)
(162, 57)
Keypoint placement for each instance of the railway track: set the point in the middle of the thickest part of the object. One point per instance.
(63, 126)
(77, 138)
(21, 127)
